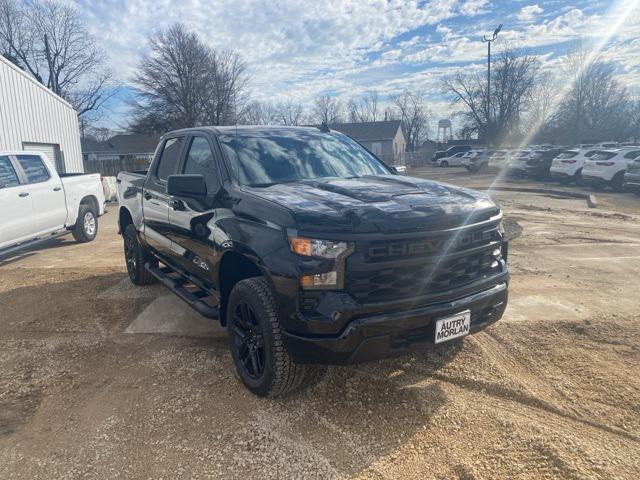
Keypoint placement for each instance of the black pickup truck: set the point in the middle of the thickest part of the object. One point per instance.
(309, 249)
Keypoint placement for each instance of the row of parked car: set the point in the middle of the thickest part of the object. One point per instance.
(601, 165)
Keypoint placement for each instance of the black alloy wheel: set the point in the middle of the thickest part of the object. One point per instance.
(249, 340)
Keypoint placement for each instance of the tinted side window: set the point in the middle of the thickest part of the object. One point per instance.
(8, 175)
(33, 168)
(169, 157)
(200, 161)
(633, 154)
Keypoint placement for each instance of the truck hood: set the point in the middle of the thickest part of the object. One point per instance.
(377, 204)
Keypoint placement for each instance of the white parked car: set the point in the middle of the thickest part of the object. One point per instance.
(606, 145)
(607, 168)
(516, 161)
(37, 203)
(454, 160)
(567, 166)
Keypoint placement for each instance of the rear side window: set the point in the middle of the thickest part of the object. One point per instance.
(169, 157)
(632, 155)
(8, 175)
(200, 161)
(33, 168)
(603, 156)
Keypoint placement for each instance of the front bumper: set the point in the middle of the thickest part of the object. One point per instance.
(379, 335)
(632, 182)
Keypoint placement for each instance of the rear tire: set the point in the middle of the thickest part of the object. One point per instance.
(86, 227)
(617, 183)
(577, 177)
(259, 354)
(136, 256)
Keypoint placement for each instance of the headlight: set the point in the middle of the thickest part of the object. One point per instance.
(308, 247)
(317, 248)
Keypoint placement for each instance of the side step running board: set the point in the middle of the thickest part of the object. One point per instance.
(177, 287)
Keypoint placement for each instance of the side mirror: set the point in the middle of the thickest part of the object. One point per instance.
(190, 186)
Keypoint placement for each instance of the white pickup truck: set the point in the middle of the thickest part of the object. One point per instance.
(36, 203)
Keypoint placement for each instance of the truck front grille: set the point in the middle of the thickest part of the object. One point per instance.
(399, 270)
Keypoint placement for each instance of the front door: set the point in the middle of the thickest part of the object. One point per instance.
(191, 219)
(16, 206)
(155, 201)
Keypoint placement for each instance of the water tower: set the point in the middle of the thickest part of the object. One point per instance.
(445, 127)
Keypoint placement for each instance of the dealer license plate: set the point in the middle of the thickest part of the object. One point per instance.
(455, 326)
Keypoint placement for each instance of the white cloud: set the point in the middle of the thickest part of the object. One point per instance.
(529, 13)
(299, 49)
(474, 7)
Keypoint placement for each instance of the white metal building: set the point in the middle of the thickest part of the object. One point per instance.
(34, 118)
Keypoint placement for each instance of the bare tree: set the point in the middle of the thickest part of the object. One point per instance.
(327, 110)
(289, 113)
(410, 108)
(364, 109)
(49, 40)
(173, 82)
(259, 113)
(634, 119)
(230, 82)
(595, 106)
(184, 83)
(541, 107)
(513, 79)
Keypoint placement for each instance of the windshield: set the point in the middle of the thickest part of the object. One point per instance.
(265, 158)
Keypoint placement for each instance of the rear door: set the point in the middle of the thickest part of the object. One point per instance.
(192, 246)
(155, 201)
(45, 188)
(16, 207)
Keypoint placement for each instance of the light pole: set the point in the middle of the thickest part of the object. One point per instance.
(488, 103)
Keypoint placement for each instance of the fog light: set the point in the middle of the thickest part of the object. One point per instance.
(320, 280)
(495, 264)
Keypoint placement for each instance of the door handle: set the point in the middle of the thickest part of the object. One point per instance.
(23, 194)
(176, 204)
(57, 189)
(147, 196)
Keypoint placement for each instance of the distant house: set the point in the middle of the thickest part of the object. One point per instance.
(384, 139)
(120, 147)
(120, 152)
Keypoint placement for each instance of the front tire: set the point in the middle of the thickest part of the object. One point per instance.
(444, 164)
(259, 354)
(135, 257)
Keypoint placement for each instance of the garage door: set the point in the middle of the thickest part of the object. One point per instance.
(48, 149)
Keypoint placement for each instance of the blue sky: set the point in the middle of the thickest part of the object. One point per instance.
(298, 50)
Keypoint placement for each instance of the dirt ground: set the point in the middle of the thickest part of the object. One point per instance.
(551, 391)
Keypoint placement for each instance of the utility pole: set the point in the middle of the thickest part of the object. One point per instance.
(488, 41)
